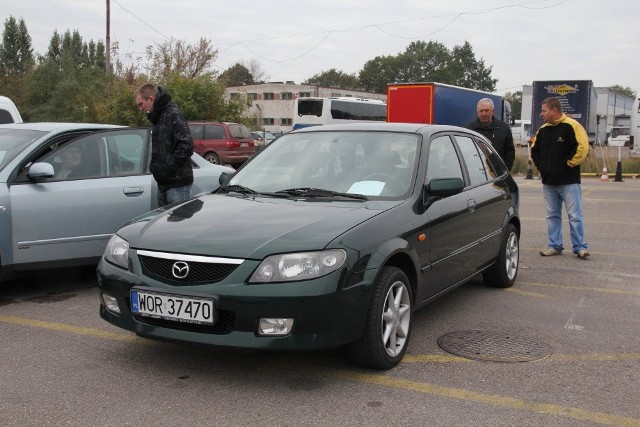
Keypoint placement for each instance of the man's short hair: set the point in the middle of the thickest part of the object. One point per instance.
(553, 104)
(146, 90)
(487, 101)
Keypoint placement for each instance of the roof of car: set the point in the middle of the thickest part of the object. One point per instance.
(57, 126)
(380, 126)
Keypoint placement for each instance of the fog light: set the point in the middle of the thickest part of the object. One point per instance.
(111, 303)
(275, 326)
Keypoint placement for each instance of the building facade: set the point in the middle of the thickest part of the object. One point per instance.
(272, 103)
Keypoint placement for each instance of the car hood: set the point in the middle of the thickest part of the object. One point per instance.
(248, 227)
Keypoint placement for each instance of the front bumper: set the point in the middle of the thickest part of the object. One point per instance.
(325, 314)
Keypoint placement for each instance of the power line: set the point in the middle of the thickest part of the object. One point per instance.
(378, 26)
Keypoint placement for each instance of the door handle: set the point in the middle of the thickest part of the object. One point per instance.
(133, 191)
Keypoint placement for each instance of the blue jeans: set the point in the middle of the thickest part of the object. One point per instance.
(173, 195)
(571, 195)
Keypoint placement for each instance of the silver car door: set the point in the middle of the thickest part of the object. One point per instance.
(72, 215)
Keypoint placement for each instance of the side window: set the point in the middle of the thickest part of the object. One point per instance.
(495, 166)
(5, 116)
(125, 154)
(79, 159)
(196, 131)
(474, 160)
(443, 160)
(213, 132)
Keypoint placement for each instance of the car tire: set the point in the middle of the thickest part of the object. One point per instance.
(212, 158)
(503, 273)
(388, 324)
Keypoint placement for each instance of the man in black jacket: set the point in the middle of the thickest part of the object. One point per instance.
(171, 144)
(496, 131)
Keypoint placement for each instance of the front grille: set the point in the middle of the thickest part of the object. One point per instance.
(199, 272)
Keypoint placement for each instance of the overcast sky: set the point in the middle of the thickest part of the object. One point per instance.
(522, 40)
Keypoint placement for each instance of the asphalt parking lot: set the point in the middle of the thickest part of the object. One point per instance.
(565, 346)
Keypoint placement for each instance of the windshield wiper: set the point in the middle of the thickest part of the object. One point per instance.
(319, 192)
(238, 189)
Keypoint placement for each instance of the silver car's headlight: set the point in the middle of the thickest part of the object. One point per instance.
(117, 252)
(298, 266)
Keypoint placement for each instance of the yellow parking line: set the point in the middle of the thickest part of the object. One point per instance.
(582, 288)
(526, 293)
(487, 398)
(461, 394)
(78, 330)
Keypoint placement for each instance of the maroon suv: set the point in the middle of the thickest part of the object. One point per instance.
(222, 142)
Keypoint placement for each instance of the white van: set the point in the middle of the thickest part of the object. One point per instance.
(620, 136)
(521, 131)
(8, 111)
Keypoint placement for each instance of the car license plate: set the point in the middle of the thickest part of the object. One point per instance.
(244, 144)
(173, 307)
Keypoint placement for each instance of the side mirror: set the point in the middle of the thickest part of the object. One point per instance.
(445, 187)
(40, 171)
(224, 178)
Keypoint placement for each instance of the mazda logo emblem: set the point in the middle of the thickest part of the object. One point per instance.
(180, 269)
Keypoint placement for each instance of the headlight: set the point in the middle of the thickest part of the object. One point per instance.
(298, 266)
(117, 252)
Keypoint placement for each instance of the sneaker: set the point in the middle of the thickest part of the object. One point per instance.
(550, 252)
(583, 253)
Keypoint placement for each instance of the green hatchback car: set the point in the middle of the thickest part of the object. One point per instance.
(330, 236)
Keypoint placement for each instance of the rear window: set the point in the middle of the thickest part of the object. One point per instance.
(239, 131)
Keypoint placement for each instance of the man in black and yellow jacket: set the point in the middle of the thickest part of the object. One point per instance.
(559, 147)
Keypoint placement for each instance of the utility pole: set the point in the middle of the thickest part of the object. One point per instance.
(108, 39)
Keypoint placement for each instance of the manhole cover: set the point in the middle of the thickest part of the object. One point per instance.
(491, 346)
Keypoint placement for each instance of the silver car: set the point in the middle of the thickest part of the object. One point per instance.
(66, 187)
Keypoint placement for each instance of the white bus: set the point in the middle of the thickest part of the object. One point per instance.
(324, 111)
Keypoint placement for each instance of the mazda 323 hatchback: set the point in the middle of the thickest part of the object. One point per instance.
(330, 236)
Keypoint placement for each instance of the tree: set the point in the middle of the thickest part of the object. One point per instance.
(256, 70)
(16, 53)
(623, 90)
(333, 78)
(176, 57)
(16, 60)
(467, 71)
(515, 99)
(69, 76)
(426, 62)
(378, 72)
(236, 75)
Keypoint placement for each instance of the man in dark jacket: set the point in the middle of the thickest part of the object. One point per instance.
(496, 131)
(171, 144)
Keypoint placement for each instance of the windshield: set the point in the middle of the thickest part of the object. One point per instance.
(13, 141)
(373, 164)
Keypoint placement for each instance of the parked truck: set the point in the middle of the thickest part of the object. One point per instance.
(437, 103)
(578, 100)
